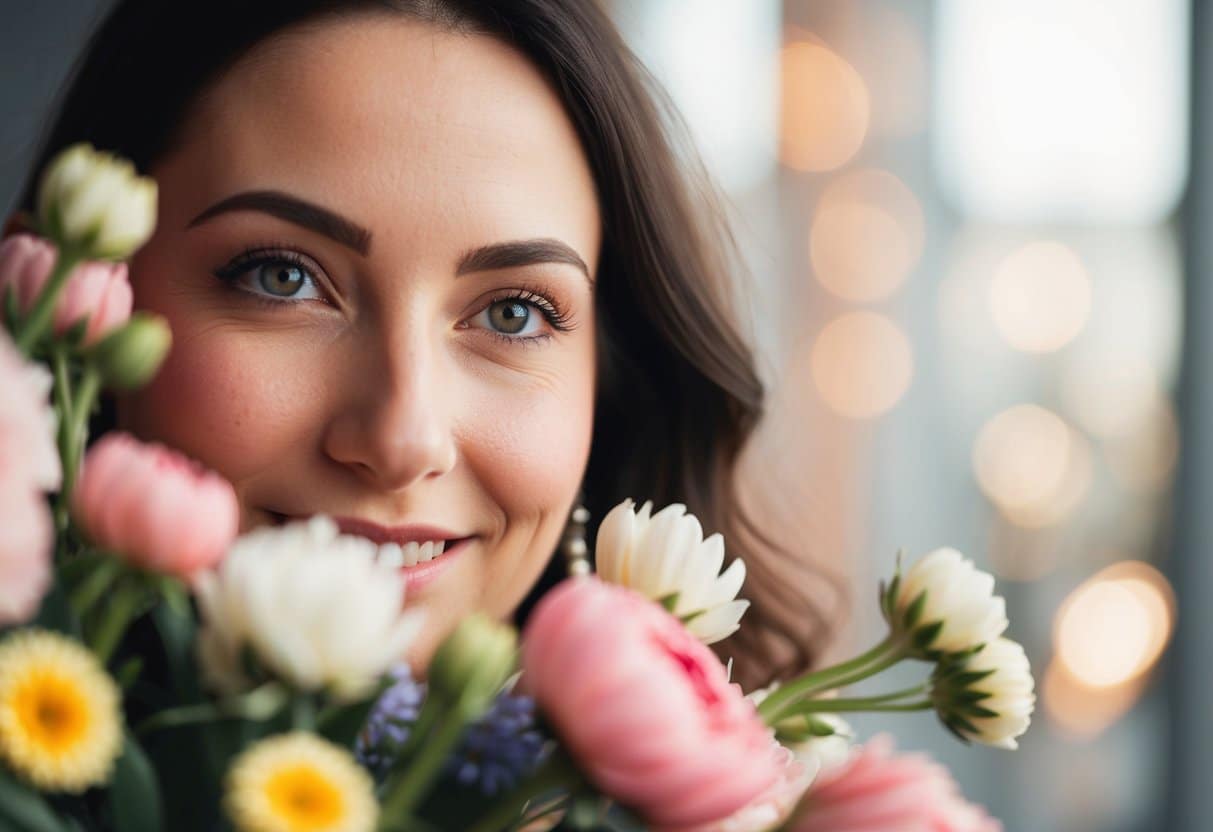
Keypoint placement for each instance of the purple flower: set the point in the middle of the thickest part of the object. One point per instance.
(387, 728)
(500, 748)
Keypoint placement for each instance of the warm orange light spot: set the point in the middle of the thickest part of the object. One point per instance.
(862, 364)
(824, 108)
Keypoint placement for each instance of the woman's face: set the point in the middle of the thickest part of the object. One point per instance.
(376, 247)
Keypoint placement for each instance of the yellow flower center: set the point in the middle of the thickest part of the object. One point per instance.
(304, 798)
(52, 712)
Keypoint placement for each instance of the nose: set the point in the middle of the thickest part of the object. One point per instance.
(395, 429)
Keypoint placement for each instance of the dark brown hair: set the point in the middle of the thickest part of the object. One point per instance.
(679, 394)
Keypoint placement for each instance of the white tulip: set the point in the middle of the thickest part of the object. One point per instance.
(313, 606)
(946, 604)
(988, 697)
(96, 203)
(665, 557)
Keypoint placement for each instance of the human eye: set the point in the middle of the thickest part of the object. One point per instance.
(522, 316)
(274, 277)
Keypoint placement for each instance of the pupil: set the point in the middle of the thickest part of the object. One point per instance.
(283, 280)
(511, 316)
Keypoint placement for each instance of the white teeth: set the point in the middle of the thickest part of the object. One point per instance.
(411, 553)
(397, 555)
(391, 554)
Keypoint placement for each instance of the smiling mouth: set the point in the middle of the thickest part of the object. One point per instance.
(391, 553)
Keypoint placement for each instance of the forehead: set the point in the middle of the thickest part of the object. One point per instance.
(404, 127)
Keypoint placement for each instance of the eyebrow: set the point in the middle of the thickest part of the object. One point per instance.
(352, 235)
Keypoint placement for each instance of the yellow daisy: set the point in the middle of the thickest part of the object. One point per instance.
(300, 783)
(60, 714)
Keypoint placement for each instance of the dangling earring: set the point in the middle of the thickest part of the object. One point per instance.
(573, 542)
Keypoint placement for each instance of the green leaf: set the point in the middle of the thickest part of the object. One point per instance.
(914, 611)
(24, 810)
(135, 791)
(341, 724)
(56, 614)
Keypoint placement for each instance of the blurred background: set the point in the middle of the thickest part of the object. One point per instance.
(975, 230)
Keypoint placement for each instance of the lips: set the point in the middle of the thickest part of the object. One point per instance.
(412, 547)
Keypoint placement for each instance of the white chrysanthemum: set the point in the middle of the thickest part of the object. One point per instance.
(313, 607)
(818, 752)
(97, 201)
(959, 602)
(297, 781)
(665, 556)
(1000, 672)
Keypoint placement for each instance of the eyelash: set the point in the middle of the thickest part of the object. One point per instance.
(258, 256)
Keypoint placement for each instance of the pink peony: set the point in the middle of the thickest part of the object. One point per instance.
(100, 292)
(773, 806)
(29, 465)
(154, 507)
(643, 706)
(26, 537)
(879, 791)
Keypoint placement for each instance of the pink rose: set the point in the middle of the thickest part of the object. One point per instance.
(157, 509)
(100, 292)
(643, 706)
(877, 791)
(26, 537)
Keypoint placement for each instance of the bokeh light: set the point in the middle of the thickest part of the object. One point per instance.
(862, 364)
(866, 236)
(824, 107)
(1032, 465)
(1082, 712)
(1113, 627)
(1040, 297)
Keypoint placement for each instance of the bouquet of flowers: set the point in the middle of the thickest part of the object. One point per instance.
(159, 671)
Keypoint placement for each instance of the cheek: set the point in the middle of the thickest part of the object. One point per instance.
(223, 401)
(531, 449)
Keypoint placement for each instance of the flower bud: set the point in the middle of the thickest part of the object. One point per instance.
(128, 357)
(25, 267)
(987, 697)
(944, 605)
(95, 203)
(473, 662)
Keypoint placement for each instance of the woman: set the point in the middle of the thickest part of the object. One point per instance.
(432, 268)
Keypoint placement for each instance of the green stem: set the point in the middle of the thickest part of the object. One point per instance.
(881, 656)
(303, 713)
(873, 703)
(90, 386)
(556, 773)
(39, 318)
(125, 606)
(409, 786)
(63, 406)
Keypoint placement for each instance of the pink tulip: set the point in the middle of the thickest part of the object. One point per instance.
(644, 707)
(100, 292)
(25, 265)
(155, 508)
(879, 791)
